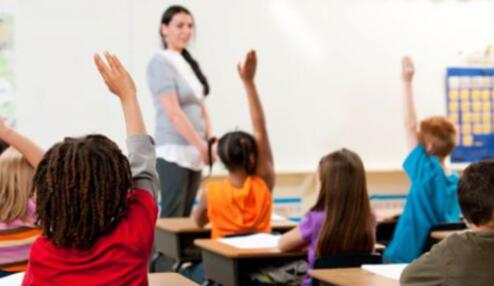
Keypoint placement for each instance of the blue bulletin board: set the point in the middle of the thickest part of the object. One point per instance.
(470, 105)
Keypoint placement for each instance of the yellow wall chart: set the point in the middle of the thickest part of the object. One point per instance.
(470, 104)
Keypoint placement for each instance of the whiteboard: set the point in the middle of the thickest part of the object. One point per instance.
(328, 75)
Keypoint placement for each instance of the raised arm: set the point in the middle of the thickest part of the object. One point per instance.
(32, 152)
(121, 84)
(247, 71)
(142, 156)
(410, 116)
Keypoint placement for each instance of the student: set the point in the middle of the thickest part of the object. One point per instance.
(465, 258)
(341, 221)
(17, 210)
(96, 208)
(242, 203)
(432, 197)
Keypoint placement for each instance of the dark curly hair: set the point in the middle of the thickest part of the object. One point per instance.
(238, 152)
(81, 190)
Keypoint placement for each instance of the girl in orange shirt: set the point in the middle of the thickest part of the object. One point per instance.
(242, 203)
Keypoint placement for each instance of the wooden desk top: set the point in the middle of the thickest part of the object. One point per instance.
(351, 277)
(442, 234)
(180, 225)
(187, 225)
(233, 252)
(175, 279)
(379, 247)
(227, 250)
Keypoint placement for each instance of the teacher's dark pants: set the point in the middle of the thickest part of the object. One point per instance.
(178, 188)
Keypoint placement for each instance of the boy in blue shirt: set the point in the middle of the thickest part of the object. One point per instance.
(432, 198)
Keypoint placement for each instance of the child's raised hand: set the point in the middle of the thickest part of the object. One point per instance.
(3, 126)
(407, 69)
(115, 76)
(247, 71)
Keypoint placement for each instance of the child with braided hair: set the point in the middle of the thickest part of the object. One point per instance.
(243, 202)
(97, 209)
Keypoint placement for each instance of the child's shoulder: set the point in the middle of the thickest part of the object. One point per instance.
(259, 181)
(419, 163)
(141, 201)
(314, 216)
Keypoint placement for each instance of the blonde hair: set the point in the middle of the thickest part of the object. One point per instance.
(16, 176)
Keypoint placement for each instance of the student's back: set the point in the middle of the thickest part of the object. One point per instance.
(119, 258)
(341, 221)
(97, 208)
(432, 197)
(242, 203)
(431, 200)
(460, 260)
(463, 258)
(15, 242)
(233, 210)
(17, 209)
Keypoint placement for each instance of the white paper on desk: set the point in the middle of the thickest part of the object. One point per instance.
(12, 280)
(391, 271)
(258, 240)
(277, 217)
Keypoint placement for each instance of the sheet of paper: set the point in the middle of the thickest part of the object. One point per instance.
(277, 217)
(259, 240)
(12, 280)
(392, 271)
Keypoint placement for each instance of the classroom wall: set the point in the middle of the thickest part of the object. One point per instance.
(328, 69)
(303, 185)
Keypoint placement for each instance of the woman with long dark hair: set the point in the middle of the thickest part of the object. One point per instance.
(178, 88)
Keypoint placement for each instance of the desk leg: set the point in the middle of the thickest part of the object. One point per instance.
(220, 269)
(154, 261)
(167, 244)
(177, 265)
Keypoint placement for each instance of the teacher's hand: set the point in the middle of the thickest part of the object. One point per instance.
(203, 150)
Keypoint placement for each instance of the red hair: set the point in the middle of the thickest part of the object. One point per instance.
(439, 133)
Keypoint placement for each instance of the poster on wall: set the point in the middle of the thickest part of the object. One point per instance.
(470, 106)
(7, 60)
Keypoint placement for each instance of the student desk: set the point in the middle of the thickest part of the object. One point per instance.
(161, 279)
(378, 247)
(175, 238)
(350, 277)
(442, 234)
(224, 264)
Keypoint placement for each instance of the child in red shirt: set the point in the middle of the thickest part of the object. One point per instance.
(96, 208)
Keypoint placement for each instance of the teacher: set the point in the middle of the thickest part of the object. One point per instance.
(178, 88)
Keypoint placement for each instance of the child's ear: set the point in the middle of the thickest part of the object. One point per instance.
(429, 148)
